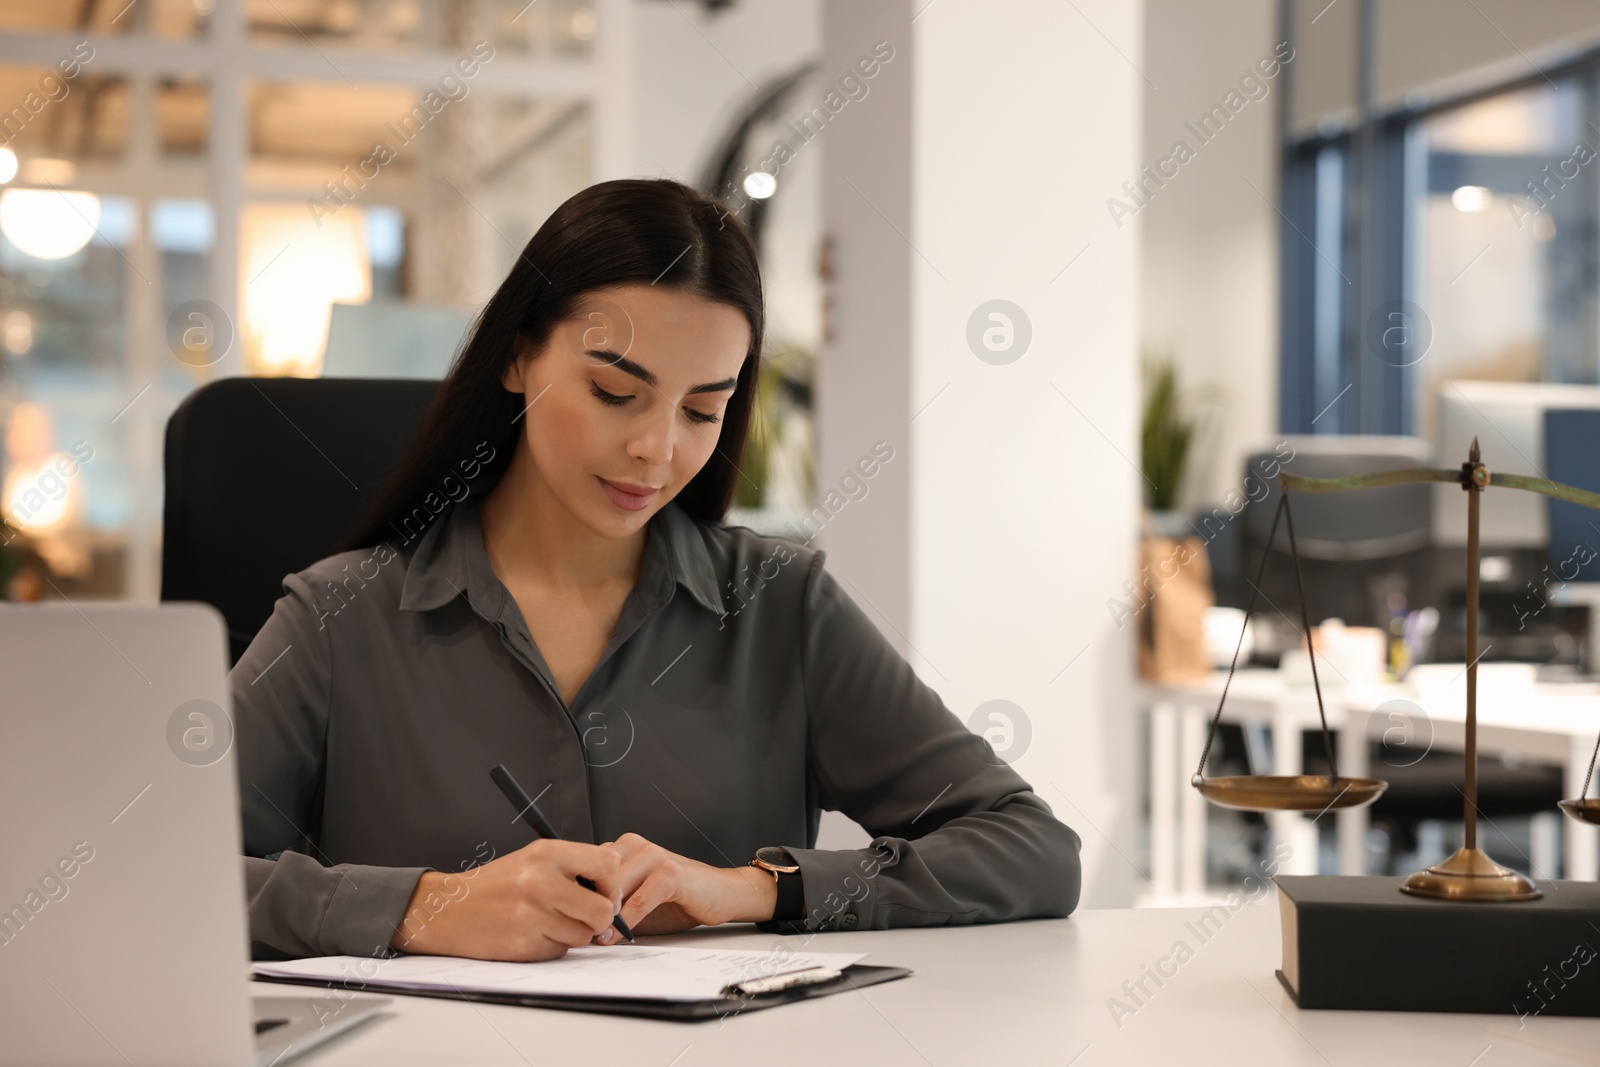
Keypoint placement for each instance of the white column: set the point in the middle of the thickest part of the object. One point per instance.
(613, 132)
(1298, 830)
(1164, 770)
(977, 169)
(1194, 804)
(228, 157)
(1354, 762)
(1583, 841)
(864, 383)
(140, 424)
(1544, 843)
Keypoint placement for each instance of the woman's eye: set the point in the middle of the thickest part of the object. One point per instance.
(699, 416)
(605, 397)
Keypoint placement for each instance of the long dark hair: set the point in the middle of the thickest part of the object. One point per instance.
(635, 230)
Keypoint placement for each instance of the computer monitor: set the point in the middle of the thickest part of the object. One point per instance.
(393, 339)
(1572, 455)
(1572, 561)
(1508, 418)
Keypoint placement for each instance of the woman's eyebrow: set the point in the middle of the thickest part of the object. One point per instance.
(628, 366)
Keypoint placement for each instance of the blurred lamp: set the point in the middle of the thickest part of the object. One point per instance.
(760, 185)
(48, 223)
(37, 495)
(1470, 198)
(16, 332)
(583, 24)
(8, 165)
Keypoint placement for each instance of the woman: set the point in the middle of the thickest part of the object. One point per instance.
(548, 584)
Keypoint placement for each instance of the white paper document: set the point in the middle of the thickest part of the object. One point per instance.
(656, 973)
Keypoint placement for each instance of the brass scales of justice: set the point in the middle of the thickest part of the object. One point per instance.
(1469, 874)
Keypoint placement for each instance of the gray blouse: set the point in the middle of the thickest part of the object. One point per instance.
(742, 692)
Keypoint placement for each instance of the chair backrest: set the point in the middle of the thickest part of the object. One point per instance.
(1365, 524)
(265, 476)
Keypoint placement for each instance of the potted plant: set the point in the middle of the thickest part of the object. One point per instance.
(1165, 437)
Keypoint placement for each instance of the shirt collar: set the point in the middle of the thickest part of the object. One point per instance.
(450, 560)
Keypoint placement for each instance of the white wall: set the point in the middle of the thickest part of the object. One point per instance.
(989, 546)
(1210, 269)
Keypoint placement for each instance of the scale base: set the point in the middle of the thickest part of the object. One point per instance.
(1470, 875)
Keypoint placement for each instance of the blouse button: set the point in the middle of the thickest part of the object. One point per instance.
(848, 921)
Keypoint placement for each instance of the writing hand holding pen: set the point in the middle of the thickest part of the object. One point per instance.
(522, 907)
(530, 814)
(664, 891)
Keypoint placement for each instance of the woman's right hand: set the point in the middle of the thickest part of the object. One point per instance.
(522, 907)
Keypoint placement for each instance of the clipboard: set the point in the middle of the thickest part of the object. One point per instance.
(855, 976)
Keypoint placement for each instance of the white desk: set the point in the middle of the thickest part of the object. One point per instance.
(1179, 718)
(1012, 993)
(1553, 724)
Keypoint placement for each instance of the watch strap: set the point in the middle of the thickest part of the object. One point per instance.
(791, 897)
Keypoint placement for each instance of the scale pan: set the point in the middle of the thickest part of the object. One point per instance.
(1290, 792)
(1585, 810)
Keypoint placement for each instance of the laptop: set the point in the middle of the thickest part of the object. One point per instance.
(123, 932)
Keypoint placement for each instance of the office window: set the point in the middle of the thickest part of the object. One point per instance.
(169, 19)
(189, 126)
(1442, 240)
(1504, 237)
(1316, 291)
(66, 359)
(552, 29)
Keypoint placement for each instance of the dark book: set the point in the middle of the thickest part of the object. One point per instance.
(1359, 944)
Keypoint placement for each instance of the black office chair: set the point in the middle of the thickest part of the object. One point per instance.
(265, 476)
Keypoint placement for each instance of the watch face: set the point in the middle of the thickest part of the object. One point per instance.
(775, 856)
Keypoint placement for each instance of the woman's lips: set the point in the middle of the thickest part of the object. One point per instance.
(628, 495)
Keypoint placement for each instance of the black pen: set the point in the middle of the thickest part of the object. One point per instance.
(541, 826)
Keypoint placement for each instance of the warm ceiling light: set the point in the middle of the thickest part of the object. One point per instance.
(48, 223)
(8, 165)
(1470, 198)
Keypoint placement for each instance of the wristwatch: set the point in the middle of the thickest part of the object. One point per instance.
(791, 896)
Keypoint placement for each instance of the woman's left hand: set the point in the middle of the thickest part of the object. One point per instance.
(665, 893)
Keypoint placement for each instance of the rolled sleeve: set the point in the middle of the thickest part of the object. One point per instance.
(297, 905)
(958, 836)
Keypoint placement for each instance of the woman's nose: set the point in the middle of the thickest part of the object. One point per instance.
(653, 443)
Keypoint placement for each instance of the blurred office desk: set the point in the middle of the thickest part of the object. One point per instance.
(1540, 722)
(1180, 715)
(1024, 993)
(1537, 722)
